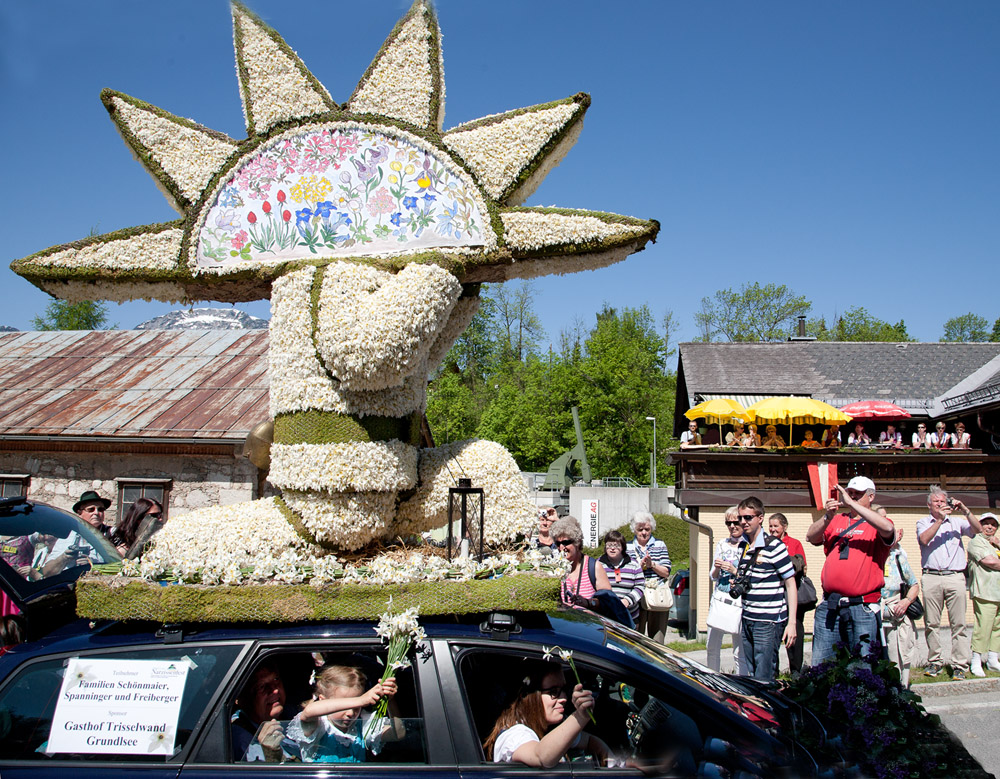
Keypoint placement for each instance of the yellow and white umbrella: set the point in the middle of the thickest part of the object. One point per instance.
(719, 410)
(791, 410)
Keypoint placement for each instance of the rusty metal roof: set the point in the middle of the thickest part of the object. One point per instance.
(154, 384)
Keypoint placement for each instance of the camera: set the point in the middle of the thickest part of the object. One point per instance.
(951, 503)
(740, 586)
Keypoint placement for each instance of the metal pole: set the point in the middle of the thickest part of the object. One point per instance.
(653, 420)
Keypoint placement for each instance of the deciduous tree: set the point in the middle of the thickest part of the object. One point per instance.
(967, 327)
(752, 313)
(856, 324)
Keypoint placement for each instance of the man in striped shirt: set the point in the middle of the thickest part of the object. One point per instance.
(771, 597)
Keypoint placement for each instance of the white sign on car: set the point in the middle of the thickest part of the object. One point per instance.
(118, 707)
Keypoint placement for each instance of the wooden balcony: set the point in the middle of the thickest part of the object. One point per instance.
(715, 476)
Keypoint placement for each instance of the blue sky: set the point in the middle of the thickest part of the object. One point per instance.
(850, 150)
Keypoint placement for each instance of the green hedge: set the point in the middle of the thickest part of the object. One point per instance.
(673, 531)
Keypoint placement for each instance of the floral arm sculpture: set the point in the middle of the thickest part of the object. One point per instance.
(370, 228)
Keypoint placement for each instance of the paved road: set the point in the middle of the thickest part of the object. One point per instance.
(970, 710)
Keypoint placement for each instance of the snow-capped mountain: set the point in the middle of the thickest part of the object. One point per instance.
(205, 319)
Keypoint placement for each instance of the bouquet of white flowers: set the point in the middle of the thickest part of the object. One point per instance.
(400, 632)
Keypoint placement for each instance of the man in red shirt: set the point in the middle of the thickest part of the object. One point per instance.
(857, 543)
(777, 524)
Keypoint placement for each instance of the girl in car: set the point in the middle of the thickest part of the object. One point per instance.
(534, 730)
(333, 727)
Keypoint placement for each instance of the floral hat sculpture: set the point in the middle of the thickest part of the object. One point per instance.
(370, 229)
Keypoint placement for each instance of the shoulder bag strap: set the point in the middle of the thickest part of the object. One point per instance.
(591, 572)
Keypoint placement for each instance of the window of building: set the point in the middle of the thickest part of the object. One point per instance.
(14, 485)
(130, 490)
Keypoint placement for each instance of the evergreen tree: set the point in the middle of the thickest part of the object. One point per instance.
(64, 315)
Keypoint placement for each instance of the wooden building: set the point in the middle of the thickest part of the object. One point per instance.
(933, 381)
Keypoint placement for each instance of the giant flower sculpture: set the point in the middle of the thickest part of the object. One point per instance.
(370, 229)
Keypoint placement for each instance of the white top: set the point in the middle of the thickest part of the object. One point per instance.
(926, 443)
(942, 440)
(515, 737)
(510, 740)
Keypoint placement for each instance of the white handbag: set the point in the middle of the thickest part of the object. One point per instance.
(725, 613)
(658, 597)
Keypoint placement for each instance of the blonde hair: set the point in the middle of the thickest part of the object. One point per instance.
(330, 677)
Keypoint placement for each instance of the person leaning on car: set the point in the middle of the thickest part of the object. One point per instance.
(857, 544)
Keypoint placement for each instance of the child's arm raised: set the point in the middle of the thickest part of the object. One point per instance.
(323, 706)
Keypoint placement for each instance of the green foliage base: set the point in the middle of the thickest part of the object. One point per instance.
(121, 598)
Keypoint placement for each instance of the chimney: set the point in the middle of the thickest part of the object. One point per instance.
(801, 334)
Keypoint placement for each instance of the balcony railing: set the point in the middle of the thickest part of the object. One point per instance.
(714, 476)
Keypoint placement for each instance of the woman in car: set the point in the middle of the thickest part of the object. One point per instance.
(535, 730)
(585, 576)
(143, 519)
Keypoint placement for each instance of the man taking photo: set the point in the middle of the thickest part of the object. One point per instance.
(857, 543)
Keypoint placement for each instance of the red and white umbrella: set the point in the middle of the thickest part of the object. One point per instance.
(875, 409)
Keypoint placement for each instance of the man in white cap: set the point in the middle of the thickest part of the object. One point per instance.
(943, 560)
(857, 543)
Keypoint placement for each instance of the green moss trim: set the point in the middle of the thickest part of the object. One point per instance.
(331, 427)
(299, 527)
(143, 152)
(651, 229)
(28, 263)
(244, 76)
(111, 597)
(435, 108)
(581, 98)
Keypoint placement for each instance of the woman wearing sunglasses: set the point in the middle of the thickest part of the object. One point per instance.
(727, 558)
(143, 519)
(583, 579)
(535, 729)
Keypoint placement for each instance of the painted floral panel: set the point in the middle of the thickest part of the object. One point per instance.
(338, 192)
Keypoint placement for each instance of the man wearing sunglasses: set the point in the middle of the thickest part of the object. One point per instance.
(771, 597)
(857, 543)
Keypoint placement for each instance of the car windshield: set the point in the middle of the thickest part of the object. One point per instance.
(43, 545)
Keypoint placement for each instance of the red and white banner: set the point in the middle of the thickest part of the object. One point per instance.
(822, 479)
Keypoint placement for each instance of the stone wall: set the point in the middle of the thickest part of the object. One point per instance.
(59, 478)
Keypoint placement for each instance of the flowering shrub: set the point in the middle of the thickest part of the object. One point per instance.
(875, 722)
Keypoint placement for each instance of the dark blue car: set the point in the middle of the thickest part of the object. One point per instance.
(78, 701)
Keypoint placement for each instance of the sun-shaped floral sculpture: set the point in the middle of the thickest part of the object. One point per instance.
(370, 229)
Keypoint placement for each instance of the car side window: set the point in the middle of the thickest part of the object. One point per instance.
(106, 709)
(636, 727)
(318, 707)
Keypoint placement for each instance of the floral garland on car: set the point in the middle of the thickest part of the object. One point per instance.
(370, 229)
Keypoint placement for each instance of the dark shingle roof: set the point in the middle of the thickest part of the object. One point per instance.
(910, 375)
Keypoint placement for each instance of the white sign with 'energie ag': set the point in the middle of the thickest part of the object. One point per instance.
(118, 707)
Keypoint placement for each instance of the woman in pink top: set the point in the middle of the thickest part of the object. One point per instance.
(578, 584)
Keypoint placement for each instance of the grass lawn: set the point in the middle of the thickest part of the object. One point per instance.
(917, 676)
